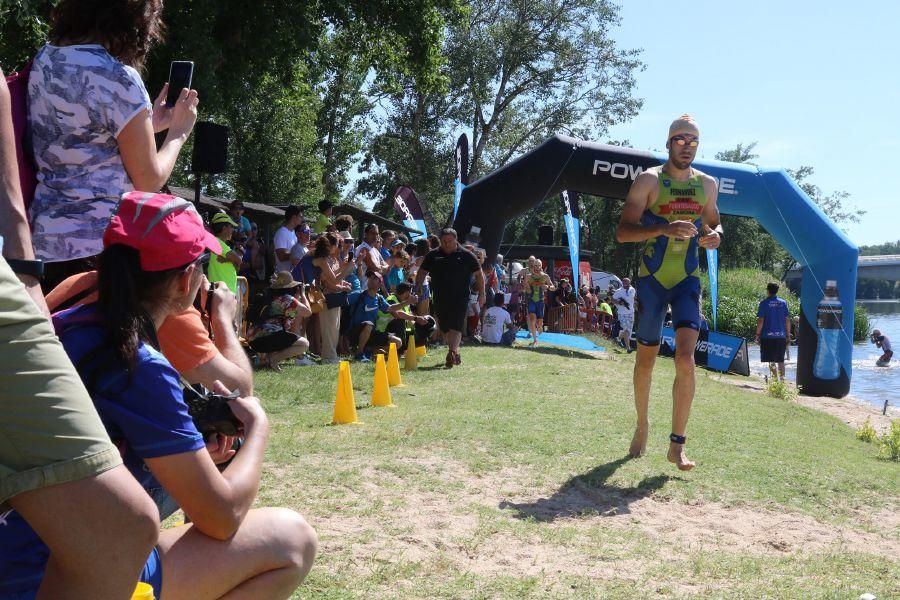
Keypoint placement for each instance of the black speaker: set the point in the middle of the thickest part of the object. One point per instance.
(210, 148)
(545, 235)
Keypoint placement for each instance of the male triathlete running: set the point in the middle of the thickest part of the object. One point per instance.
(665, 208)
(535, 282)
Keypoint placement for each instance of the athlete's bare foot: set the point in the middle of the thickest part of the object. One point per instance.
(639, 441)
(677, 456)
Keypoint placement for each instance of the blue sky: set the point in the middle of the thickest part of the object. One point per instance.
(813, 83)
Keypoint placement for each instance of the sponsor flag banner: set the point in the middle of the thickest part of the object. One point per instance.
(461, 173)
(712, 264)
(714, 351)
(573, 230)
(406, 203)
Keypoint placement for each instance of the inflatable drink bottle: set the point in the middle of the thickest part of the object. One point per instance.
(829, 318)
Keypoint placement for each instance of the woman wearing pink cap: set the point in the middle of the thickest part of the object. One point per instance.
(150, 268)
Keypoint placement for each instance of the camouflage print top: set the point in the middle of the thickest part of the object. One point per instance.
(79, 99)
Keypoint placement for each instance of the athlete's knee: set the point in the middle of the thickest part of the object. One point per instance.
(684, 360)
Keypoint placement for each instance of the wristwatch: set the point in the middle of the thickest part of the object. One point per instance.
(35, 268)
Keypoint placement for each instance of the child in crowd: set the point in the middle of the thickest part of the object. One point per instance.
(397, 273)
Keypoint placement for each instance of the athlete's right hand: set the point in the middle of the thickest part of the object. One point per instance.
(680, 229)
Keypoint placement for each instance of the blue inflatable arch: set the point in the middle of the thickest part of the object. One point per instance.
(770, 196)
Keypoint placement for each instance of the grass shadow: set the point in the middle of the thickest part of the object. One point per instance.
(588, 494)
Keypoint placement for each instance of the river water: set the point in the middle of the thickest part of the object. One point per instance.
(869, 383)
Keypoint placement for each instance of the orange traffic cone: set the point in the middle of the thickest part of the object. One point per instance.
(344, 403)
(393, 367)
(381, 392)
(411, 361)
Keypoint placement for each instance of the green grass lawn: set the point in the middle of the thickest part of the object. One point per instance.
(506, 477)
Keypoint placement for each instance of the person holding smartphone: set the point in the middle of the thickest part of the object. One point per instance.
(92, 126)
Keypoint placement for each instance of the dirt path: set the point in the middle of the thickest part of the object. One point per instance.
(437, 526)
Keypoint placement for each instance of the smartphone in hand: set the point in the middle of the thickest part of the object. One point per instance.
(181, 73)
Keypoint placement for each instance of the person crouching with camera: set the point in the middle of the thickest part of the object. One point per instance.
(151, 267)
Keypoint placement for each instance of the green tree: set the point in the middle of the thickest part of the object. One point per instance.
(340, 122)
(521, 71)
(518, 72)
(880, 249)
(745, 242)
(835, 205)
(412, 149)
(274, 144)
(255, 61)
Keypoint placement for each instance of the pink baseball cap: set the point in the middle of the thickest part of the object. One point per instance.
(167, 231)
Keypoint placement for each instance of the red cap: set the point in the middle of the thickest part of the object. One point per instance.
(167, 231)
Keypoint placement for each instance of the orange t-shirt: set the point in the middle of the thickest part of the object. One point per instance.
(183, 339)
(185, 342)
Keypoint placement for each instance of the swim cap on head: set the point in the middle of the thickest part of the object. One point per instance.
(684, 124)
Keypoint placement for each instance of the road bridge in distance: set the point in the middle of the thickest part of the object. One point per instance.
(886, 267)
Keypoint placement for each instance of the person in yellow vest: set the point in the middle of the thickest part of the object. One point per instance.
(672, 210)
(224, 268)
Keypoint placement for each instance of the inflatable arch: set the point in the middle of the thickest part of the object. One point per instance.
(770, 196)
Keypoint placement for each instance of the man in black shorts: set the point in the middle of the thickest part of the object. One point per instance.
(451, 268)
(773, 323)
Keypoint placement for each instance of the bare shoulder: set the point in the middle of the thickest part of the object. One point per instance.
(647, 179)
(709, 182)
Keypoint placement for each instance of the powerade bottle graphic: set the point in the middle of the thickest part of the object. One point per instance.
(829, 319)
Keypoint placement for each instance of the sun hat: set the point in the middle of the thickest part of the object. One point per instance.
(223, 218)
(282, 280)
(167, 231)
(346, 235)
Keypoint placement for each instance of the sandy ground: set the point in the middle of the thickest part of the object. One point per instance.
(441, 527)
(850, 410)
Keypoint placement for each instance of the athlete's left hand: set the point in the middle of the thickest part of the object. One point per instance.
(710, 241)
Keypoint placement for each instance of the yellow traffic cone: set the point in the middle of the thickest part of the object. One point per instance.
(344, 404)
(393, 367)
(420, 350)
(381, 392)
(411, 361)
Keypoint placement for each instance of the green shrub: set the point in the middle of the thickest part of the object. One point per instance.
(861, 325)
(740, 291)
(867, 433)
(889, 444)
(781, 389)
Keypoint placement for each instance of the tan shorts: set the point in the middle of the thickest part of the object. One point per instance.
(50, 432)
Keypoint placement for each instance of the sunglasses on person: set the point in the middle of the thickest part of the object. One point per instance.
(680, 140)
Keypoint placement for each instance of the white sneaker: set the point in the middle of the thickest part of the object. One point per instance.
(304, 362)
